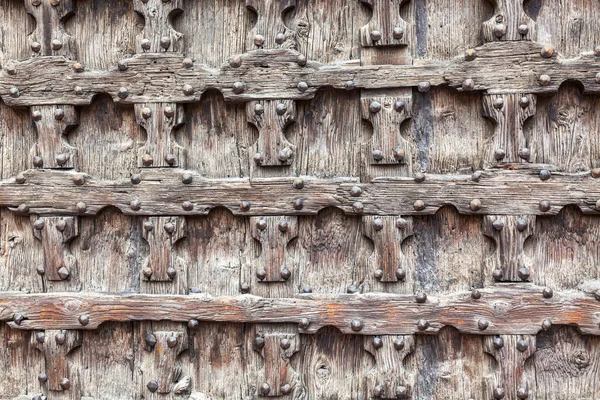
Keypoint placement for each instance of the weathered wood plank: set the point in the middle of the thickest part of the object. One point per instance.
(179, 192)
(510, 308)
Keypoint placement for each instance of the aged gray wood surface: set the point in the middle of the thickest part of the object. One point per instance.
(150, 151)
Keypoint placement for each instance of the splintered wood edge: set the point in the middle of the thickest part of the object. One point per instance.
(504, 309)
(162, 192)
(499, 67)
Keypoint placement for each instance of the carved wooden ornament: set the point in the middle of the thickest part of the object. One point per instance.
(160, 366)
(162, 233)
(277, 374)
(274, 234)
(55, 234)
(386, 28)
(52, 124)
(56, 346)
(509, 22)
(390, 379)
(49, 37)
(159, 121)
(158, 35)
(269, 30)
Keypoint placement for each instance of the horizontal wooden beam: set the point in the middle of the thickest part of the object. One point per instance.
(179, 192)
(498, 67)
(503, 309)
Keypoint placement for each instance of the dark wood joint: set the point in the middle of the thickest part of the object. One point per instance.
(274, 233)
(55, 233)
(56, 345)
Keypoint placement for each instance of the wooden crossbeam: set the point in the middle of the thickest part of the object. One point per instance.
(517, 309)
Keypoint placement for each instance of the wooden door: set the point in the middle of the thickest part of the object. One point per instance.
(299, 199)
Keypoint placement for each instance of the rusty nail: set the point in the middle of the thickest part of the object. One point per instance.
(470, 54)
(147, 160)
(499, 103)
(378, 391)
(283, 226)
(523, 29)
(375, 35)
(401, 392)
(356, 325)
(147, 271)
(123, 93)
(398, 33)
(170, 159)
(547, 52)
(468, 84)
(499, 30)
(245, 288)
(483, 324)
(524, 102)
(65, 383)
(355, 191)
(298, 204)
(259, 40)
(62, 159)
(148, 226)
(281, 108)
(476, 176)
(56, 44)
(544, 80)
(399, 105)
(78, 67)
(401, 223)
(377, 155)
(36, 47)
(352, 289)
(521, 225)
(40, 337)
(23, 208)
(419, 205)
(306, 289)
(38, 224)
(169, 227)
(78, 179)
(378, 224)
(187, 89)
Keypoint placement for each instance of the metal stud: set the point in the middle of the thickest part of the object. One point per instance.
(545, 174)
(265, 389)
(145, 44)
(63, 273)
(546, 324)
(40, 269)
(597, 295)
(424, 87)
(399, 105)
(280, 38)
(597, 77)
(356, 325)
(545, 205)
(378, 224)
(476, 176)
(349, 85)
(244, 206)
(169, 227)
(306, 289)
(60, 338)
(378, 391)
(524, 102)
(235, 62)
(188, 89)
(377, 342)
(56, 44)
(398, 33)
(281, 108)
(259, 40)
(352, 289)
(135, 205)
(136, 179)
(152, 386)
(302, 87)
(146, 112)
(421, 297)
(78, 90)
(123, 93)
(170, 159)
(150, 339)
(358, 207)
(499, 30)
(40, 337)
(522, 345)
(523, 29)
(401, 392)
(523, 273)
(38, 162)
(23, 208)
(286, 389)
(499, 154)
(171, 273)
(18, 318)
(172, 341)
(499, 103)
(355, 191)
(468, 84)
(36, 47)
(285, 343)
(422, 324)
(189, 63)
(375, 35)
(285, 154)
(398, 344)
(81, 207)
(378, 274)
(20, 179)
(377, 155)
(597, 51)
(193, 324)
(499, 393)
(259, 342)
(498, 274)
(401, 274)
(301, 60)
(122, 65)
(42, 378)
(61, 225)
(14, 92)
(62, 159)
(498, 343)
(78, 67)
(38, 224)
(547, 52)
(419, 205)
(238, 87)
(186, 178)
(419, 177)
(521, 225)
(84, 319)
(548, 293)
(524, 153)
(498, 224)
(285, 273)
(304, 323)
(165, 42)
(65, 383)
(475, 205)
(470, 54)
(147, 160)
(401, 223)
(544, 80)
(261, 274)
(475, 294)
(483, 324)
(169, 113)
(375, 107)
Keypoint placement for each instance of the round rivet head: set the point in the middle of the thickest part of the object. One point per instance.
(135, 205)
(400, 274)
(56, 44)
(193, 324)
(283, 226)
(597, 295)
(38, 224)
(40, 269)
(401, 223)
(523, 29)
(259, 40)
(259, 342)
(122, 65)
(499, 393)
(165, 42)
(356, 325)
(499, 103)
(63, 273)
(498, 274)
(421, 297)
(23, 208)
(374, 107)
(499, 154)
(123, 93)
(36, 47)
(170, 159)
(398, 344)
(11, 69)
(401, 392)
(419, 205)
(521, 225)
(78, 67)
(468, 84)
(499, 30)
(522, 345)
(470, 54)
(498, 224)
(475, 205)
(36, 3)
(136, 179)
(81, 207)
(398, 33)
(152, 386)
(475, 294)
(285, 343)
(424, 87)
(546, 324)
(235, 62)
(286, 389)
(375, 35)
(18, 318)
(61, 225)
(186, 178)
(498, 343)
(476, 176)
(298, 183)
(419, 177)
(150, 339)
(377, 155)
(349, 85)
(355, 191)
(62, 159)
(524, 102)
(545, 206)
(60, 338)
(304, 323)
(483, 324)
(597, 51)
(399, 105)
(65, 383)
(301, 60)
(306, 289)
(146, 112)
(261, 274)
(358, 207)
(548, 293)
(377, 342)
(14, 92)
(545, 174)
(244, 206)
(261, 224)
(422, 324)
(171, 273)
(265, 389)
(352, 289)
(172, 341)
(147, 160)
(145, 44)
(36, 115)
(169, 227)
(78, 90)
(148, 226)
(281, 109)
(378, 274)
(84, 319)
(169, 112)
(20, 179)
(40, 337)
(280, 38)
(544, 80)
(302, 87)
(38, 162)
(524, 153)
(378, 391)
(523, 273)
(285, 273)
(189, 63)
(378, 224)
(238, 87)
(42, 378)
(188, 89)
(547, 52)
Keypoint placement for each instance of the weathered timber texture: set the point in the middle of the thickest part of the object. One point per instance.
(524, 309)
